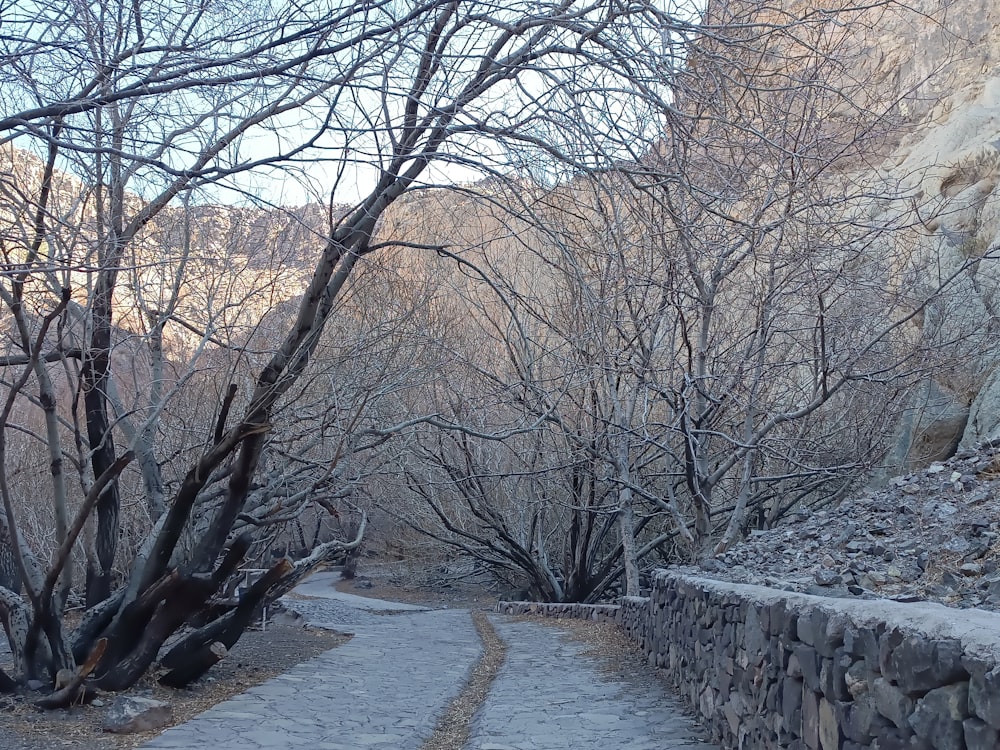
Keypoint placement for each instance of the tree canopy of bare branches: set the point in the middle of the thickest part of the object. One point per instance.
(650, 321)
(133, 116)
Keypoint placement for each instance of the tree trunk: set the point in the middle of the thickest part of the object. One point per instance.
(97, 364)
(350, 571)
(10, 576)
(103, 456)
(184, 599)
(626, 523)
(192, 657)
(199, 663)
(16, 621)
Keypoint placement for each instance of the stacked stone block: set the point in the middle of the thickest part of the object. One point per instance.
(635, 620)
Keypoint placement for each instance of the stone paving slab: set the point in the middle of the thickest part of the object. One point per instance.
(385, 688)
(549, 696)
(388, 686)
(323, 584)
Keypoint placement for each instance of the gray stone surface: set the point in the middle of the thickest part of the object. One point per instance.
(550, 696)
(939, 716)
(322, 584)
(984, 696)
(129, 714)
(385, 688)
(871, 673)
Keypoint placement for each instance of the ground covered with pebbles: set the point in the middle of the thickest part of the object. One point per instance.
(930, 535)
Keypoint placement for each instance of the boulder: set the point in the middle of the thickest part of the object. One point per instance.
(133, 714)
(984, 415)
(930, 429)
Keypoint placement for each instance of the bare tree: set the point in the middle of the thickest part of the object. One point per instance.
(155, 111)
(720, 328)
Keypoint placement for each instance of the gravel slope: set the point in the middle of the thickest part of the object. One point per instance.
(932, 535)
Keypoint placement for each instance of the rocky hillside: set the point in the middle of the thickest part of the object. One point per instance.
(930, 527)
(929, 535)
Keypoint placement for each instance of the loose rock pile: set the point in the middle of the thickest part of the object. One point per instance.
(931, 535)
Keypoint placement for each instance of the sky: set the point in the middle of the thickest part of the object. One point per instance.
(343, 164)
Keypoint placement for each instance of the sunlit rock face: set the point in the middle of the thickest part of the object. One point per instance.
(939, 64)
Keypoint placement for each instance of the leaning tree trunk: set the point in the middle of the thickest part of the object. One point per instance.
(198, 651)
(169, 593)
(10, 577)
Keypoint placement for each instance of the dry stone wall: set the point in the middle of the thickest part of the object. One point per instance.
(593, 612)
(771, 669)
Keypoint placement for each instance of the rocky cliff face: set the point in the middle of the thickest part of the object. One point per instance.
(918, 109)
(943, 61)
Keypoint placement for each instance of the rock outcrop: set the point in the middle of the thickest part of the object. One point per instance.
(944, 63)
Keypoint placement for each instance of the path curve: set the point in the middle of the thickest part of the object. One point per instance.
(385, 688)
(390, 684)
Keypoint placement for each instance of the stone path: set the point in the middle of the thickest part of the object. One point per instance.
(321, 585)
(549, 696)
(388, 686)
(385, 688)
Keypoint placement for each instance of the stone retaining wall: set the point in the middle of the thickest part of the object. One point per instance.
(635, 620)
(770, 669)
(594, 612)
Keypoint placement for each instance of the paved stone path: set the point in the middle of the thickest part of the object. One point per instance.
(322, 585)
(549, 696)
(385, 688)
(388, 686)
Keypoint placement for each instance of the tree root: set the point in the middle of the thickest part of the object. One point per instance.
(72, 691)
